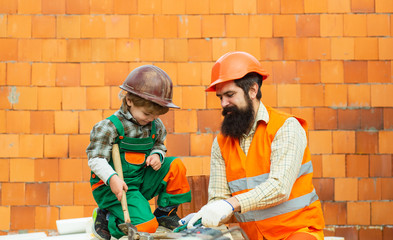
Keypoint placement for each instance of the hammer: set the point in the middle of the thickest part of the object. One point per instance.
(125, 227)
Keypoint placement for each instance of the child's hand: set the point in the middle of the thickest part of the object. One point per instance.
(117, 186)
(153, 161)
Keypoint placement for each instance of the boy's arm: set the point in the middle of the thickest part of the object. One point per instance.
(101, 168)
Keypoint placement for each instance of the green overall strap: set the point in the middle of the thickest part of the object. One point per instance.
(119, 126)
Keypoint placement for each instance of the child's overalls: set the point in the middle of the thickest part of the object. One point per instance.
(144, 183)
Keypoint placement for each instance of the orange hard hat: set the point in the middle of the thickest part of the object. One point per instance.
(232, 66)
(151, 83)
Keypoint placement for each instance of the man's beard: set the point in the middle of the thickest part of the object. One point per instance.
(239, 121)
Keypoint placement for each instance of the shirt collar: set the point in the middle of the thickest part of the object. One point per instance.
(127, 114)
(262, 115)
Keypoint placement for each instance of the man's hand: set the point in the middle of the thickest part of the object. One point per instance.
(213, 214)
(117, 186)
(153, 161)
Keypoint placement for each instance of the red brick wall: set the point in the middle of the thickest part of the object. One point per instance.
(61, 61)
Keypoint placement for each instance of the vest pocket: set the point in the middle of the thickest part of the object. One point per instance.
(134, 158)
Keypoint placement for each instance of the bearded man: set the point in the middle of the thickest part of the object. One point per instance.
(261, 168)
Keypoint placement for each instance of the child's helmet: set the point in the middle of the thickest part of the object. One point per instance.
(232, 66)
(151, 83)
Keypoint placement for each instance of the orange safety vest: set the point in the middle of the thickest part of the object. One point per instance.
(302, 208)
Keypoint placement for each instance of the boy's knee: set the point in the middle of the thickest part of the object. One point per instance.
(149, 226)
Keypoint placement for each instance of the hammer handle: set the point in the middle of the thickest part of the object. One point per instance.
(119, 170)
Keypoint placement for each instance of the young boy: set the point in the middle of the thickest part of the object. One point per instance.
(140, 134)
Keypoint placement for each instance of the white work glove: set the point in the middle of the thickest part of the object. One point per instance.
(213, 214)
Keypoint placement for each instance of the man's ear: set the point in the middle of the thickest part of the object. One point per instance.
(253, 91)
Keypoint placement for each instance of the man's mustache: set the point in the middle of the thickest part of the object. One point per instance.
(226, 110)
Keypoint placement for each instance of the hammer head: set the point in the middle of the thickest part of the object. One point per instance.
(130, 230)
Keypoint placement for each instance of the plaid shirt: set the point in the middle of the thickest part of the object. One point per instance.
(287, 151)
(103, 136)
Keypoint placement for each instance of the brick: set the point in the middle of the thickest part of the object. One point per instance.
(3, 70)
(319, 48)
(4, 171)
(220, 46)
(79, 50)
(37, 194)
(362, 6)
(336, 96)
(117, 26)
(173, 7)
(43, 74)
(18, 74)
(43, 27)
(87, 119)
(354, 25)
(18, 121)
(83, 194)
(74, 98)
(8, 49)
(212, 101)
(221, 6)
(385, 137)
(320, 142)
(55, 146)
(115, 73)
(49, 98)
(197, 166)
(9, 144)
(307, 114)
(53, 6)
(209, 121)
(308, 71)
(114, 99)
(241, 6)
(347, 232)
(381, 213)
(308, 26)
(324, 188)
(67, 212)
(178, 144)
(358, 213)
(339, 6)
(176, 50)
(31, 146)
(103, 50)
(371, 119)
(46, 170)
(335, 213)
(20, 223)
(261, 26)
(141, 26)
(213, 26)
(388, 118)
(355, 71)
(358, 96)
(189, 74)
(370, 189)
(237, 25)
(370, 233)
(285, 72)
(92, 74)
(332, 72)
(190, 26)
(387, 233)
(387, 191)
(288, 6)
(68, 26)
(125, 6)
(315, 7)
(250, 45)
(331, 25)
(295, 48)
(13, 193)
(127, 49)
(165, 26)
(200, 144)
(384, 46)
(193, 98)
(378, 25)
(77, 7)
(199, 50)
(168, 120)
(171, 69)
(381, 165)
(288, 95)
(46, 217)
(343, 142)
(357, 166)
(284, 26)
(97, 98)
(61, 194)
(379, 71)
(311, 95)
(30, 50)
(325, 118)
(317, 167)
(86, 171)
(197, 7)
(271, 49)
(380, 95)
(152, 49)
(77, 145)
(185, 121)
(366, 142)
(54, 50)
(101, 7)
(349, 119)
(268, 7)
(366, 48)
(19, 26)
(342, 48)
(383, 6)
(346, 189)
(8, 6)
(151, 7)
(27, 99)
(2, 121)
(333, 165)
(5, 212)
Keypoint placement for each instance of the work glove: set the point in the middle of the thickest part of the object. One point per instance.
(213, 214)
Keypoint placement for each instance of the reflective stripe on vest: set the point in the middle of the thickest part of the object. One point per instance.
(285, 207)
(252, 182)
